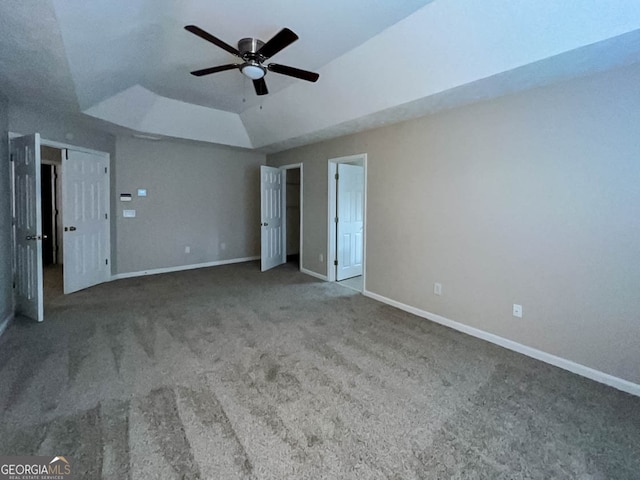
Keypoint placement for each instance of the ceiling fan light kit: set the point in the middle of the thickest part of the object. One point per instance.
(253, 53)
(254, 71)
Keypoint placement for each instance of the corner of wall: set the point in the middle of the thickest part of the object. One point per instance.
(6, 249)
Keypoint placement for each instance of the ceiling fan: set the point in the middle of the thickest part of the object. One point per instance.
(253, 53)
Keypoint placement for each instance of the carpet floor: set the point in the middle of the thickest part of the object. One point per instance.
(226, 372)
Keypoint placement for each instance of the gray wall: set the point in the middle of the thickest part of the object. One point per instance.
(72, 130)
(6, 282)
(203, 196)
(532, 198)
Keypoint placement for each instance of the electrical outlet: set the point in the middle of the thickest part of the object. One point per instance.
(321, 258)
(437, 289)
(517, 310)
(223, 246)
(187, 249)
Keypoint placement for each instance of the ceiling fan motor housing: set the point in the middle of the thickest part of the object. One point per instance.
(248, 47)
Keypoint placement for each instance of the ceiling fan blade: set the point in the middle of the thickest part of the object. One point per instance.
(293, 72)
(279, 41)
(210, 38)
(210, 70)
(261, 86)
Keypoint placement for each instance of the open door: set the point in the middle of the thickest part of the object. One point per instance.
(350, 214)
(271, 206)
(25, 153)
(85, 217)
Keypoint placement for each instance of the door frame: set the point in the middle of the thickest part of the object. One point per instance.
(57, 189)
(331, 214)
(62, 147)
(292, 166)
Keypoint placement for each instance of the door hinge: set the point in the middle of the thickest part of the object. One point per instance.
(106, 261)
(66, 154)
(105, 169)
(106, 216)
(337, 176)
(11, 157)
(336, 219)
(335, 262)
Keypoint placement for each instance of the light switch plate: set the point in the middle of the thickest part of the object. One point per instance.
(128, 213)
(142, 192)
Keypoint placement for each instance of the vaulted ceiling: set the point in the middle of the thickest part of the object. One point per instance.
(127, 62)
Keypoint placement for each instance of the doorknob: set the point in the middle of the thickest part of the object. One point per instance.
(69, 229)
(265, 224)
(35, 237)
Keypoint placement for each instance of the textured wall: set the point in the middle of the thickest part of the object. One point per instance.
(531, 199)
(205, 197)
(6, 281)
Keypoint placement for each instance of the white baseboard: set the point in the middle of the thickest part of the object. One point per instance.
(5, 322)
(313, 274)
(588, 372)
(179, 268)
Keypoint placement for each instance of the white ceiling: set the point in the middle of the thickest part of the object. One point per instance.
(128, 62)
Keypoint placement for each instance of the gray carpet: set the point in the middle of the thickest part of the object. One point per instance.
(227, 373)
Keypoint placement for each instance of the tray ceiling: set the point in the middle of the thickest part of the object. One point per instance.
(379, 61)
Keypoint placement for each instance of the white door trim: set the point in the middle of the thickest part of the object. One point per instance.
(293, 166)
(331, 209)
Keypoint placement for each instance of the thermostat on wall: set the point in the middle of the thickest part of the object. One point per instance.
(125, 197)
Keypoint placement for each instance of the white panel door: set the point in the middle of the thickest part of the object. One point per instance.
(25, 152)
(85, 217)
(350, 213)
(271, 206)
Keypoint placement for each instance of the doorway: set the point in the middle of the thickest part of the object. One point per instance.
(346, 221)
(281, 214)
(292, 213)
(51, 207)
